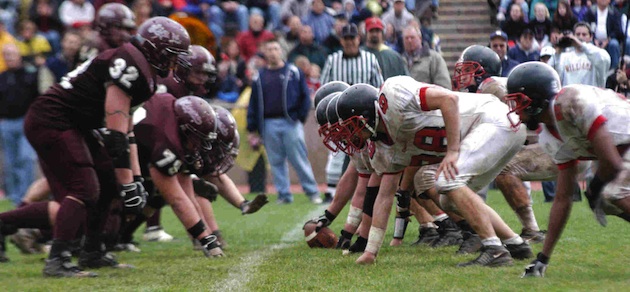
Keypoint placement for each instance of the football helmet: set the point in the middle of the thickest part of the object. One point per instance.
(475, 65)
(197, 70)
(197, 122)
(221, 157)
(321, 115)
(356, 109)
(531, 86)
(116, 23)
(162, 40)
(327, 89)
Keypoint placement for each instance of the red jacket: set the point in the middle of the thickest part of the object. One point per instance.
(248, 43)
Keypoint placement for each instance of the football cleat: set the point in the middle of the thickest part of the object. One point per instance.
(471, 243)
(129, 246)
(533, 236)
(520, 251)
(427, 236)
(491, 256)
(26, 240)
(156, 233)
(62, 266)
(100, 259)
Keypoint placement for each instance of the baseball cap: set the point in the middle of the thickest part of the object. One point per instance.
(372, 23)
(498, 33)
(399, 1)
(527, 31)
(350, 30)
(547, 51)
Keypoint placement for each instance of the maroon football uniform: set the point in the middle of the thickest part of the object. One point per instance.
(157, 135)
(78, 101)
(179, 89)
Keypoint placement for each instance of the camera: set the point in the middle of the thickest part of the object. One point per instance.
(565, 41)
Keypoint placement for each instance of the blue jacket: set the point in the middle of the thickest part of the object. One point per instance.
(296, 101)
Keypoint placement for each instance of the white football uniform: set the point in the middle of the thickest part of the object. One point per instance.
(361, 161)
(418, 135)
(580, 110)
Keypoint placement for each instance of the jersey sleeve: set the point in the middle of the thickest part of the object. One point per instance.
(382, 158)
(166, 161)
(131, 75)
(580, 111)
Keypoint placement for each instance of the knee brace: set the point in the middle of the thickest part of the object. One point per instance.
(370, 198)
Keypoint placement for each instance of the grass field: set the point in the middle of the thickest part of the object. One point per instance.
(266, 252)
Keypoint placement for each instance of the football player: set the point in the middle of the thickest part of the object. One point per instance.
(172, 133)
(577, 122)
(407, 130)
(479, 70)
(85, 164)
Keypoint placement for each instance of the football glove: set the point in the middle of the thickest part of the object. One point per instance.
(250, 207)
(134, 196)
(344, 240)
(211, 246)
(537, 267)
(324, 220)
(205, 189)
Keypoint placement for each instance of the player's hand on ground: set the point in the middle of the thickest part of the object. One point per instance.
(250, 207)
(324, 220)
(537, 267)
(211, 246)
(448, 166)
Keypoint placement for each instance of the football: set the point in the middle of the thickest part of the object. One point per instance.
(325, 238)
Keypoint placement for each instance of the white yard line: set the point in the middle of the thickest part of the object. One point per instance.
(240, 275)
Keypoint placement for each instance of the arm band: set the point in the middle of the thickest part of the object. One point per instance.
(131, 139)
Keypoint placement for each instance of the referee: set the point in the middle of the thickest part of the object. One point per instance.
(351, 65)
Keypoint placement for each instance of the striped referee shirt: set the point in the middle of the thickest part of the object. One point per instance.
(363, 68)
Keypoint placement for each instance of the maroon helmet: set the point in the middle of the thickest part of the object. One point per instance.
(197, 122)
(115, 23)
(197, 70)
(229, 158)
(162, 41)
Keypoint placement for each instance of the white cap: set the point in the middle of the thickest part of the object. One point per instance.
(547, 51)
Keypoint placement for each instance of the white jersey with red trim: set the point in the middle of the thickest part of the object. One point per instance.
(361, 161)
(417, 134)
(580, 110)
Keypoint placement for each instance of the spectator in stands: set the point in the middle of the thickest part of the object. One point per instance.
(564, 19)
(20, 84)
(499, 44)
(319, 20)
(424, 64)
(76, 12)
(552, 6)
(540, 25)
(605, 24)
(228, 15)
(515, 24)
(391, 62)
(5, 38)
(505, 5)
(297, 8)
(9, 10)
(33, 47)
(68, 58)
(290, 37)
(332, 42)
(228, 85)
(307, 47)
(391, 38)
(143, 9)
(269, 9)
(524, 50)
(231, 54)
(398, 16)
(44, 15)
(249, 40)
(580, 9)
(585, 64)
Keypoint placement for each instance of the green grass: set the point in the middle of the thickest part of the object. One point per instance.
(588, 257)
